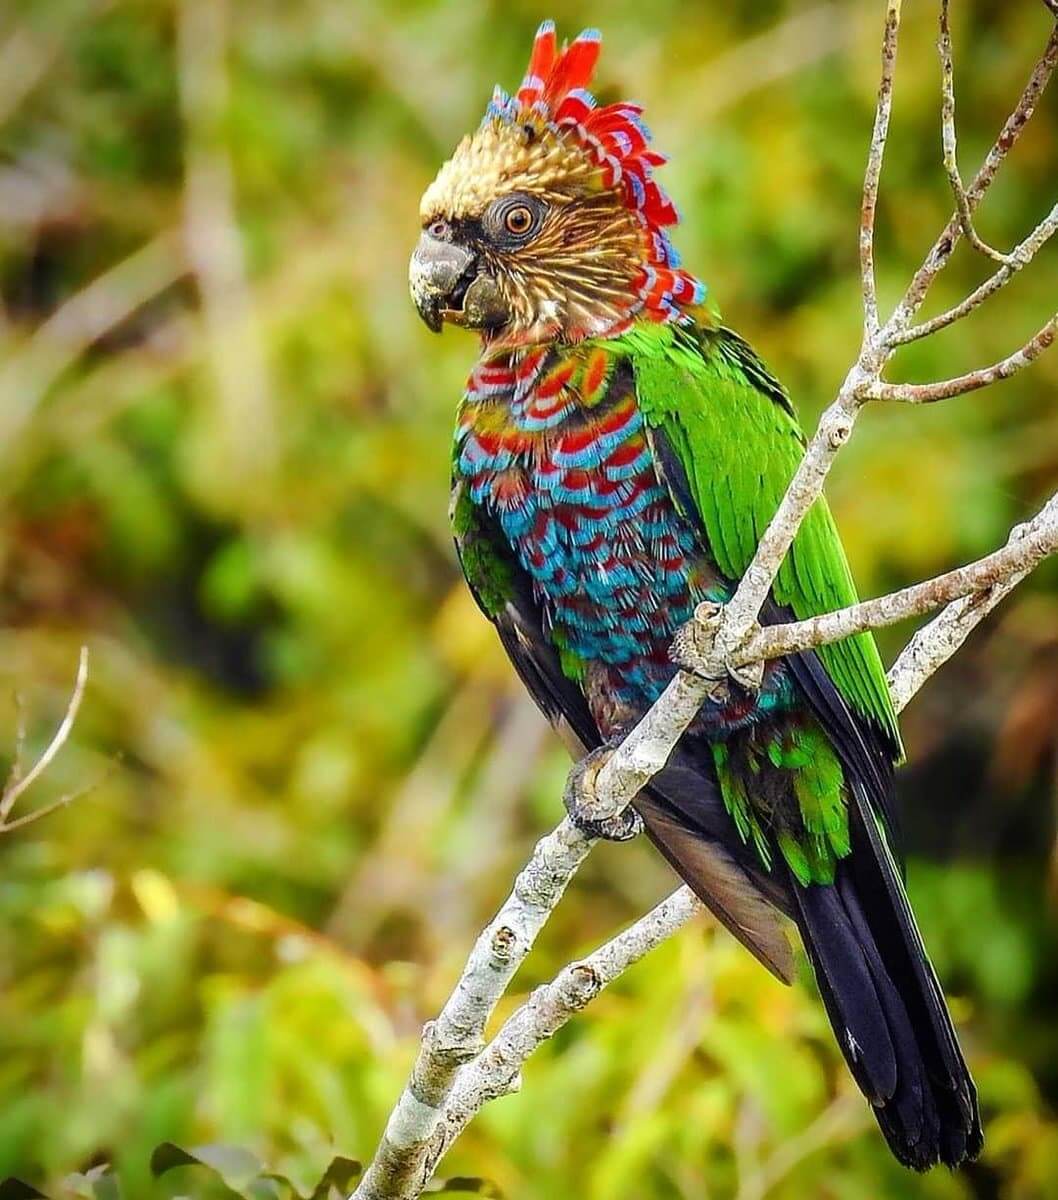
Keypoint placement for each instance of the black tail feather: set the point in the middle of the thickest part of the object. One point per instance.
(885, 1005)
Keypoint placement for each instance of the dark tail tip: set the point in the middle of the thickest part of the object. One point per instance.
(892, 1025)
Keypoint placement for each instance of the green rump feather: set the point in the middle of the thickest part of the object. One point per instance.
(813, 833)
(737, 798)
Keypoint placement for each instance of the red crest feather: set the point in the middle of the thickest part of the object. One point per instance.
(555, 91)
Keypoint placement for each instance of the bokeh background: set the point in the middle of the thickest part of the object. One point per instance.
(223, 466)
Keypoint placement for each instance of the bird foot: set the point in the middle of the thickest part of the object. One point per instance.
(580, 800)
(696, 640)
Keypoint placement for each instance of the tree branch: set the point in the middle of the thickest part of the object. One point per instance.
(948, 142)
(1019, 257)
(18, 783)
(456, 1073)
(879, 136)
(457, 1036)
(945, 389)
(940, 254)
(497, 1071)
(1027, 546)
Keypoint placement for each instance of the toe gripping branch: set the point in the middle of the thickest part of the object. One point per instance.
(581, 801)
(694, 649)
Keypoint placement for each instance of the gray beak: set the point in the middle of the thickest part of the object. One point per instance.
(439, 274)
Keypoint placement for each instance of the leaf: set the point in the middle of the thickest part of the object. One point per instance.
(340, 1175)
(269, 1187)
(97, 1183)
(470, 1185)
(17, 1189)
(237, 1167)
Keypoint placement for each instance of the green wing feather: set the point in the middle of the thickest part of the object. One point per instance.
(735, 432)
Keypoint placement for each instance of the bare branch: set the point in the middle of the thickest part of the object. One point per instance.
(875, 155)
(400, 1167)
(945, 389)
(948, 141)
(453, 1076)
(496, 1072)
(937, 259)
(63, 802)
(835, 429)
(19, 784)
(1027, 546)
(1019, 257)
(647, 748)
(935, 643)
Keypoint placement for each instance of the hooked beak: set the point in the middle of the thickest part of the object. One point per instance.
(439, 275)
(447, 285)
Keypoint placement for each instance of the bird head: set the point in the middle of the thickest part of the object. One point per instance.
(546, 224)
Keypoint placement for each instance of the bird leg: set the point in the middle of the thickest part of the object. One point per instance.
(579, 799)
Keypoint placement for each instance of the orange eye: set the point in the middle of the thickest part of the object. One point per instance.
(518, 220)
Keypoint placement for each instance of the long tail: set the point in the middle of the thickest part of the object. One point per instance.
(885, 1005)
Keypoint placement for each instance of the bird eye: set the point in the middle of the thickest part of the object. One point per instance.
(518, 220)
(438, 229)
(513, 220)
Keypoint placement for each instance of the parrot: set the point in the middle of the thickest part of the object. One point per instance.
(618, 453)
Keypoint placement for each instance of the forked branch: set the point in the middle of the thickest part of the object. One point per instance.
(456, 1072)
(20, 781)
(948, 142)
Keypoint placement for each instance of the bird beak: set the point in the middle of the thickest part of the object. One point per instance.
(439, 275)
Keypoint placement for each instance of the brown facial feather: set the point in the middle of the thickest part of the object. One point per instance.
(576, 277)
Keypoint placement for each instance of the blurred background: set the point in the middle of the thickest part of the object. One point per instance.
(224, 440)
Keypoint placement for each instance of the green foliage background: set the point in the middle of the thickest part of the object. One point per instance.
(223, 459)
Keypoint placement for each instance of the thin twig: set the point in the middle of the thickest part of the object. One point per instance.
(1019, 257)
(879, 136)
(936, 642)
(945, 389)
(948, 142)
(19, 786)
(1027, 546)
(62, 802)
(940, 253)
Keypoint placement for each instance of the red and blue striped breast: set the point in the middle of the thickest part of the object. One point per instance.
(552, 443)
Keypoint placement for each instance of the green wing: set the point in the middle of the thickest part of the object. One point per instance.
(735, 433)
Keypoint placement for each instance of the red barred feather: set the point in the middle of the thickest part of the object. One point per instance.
(555, 90)
(554, 381)
(595, 373)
